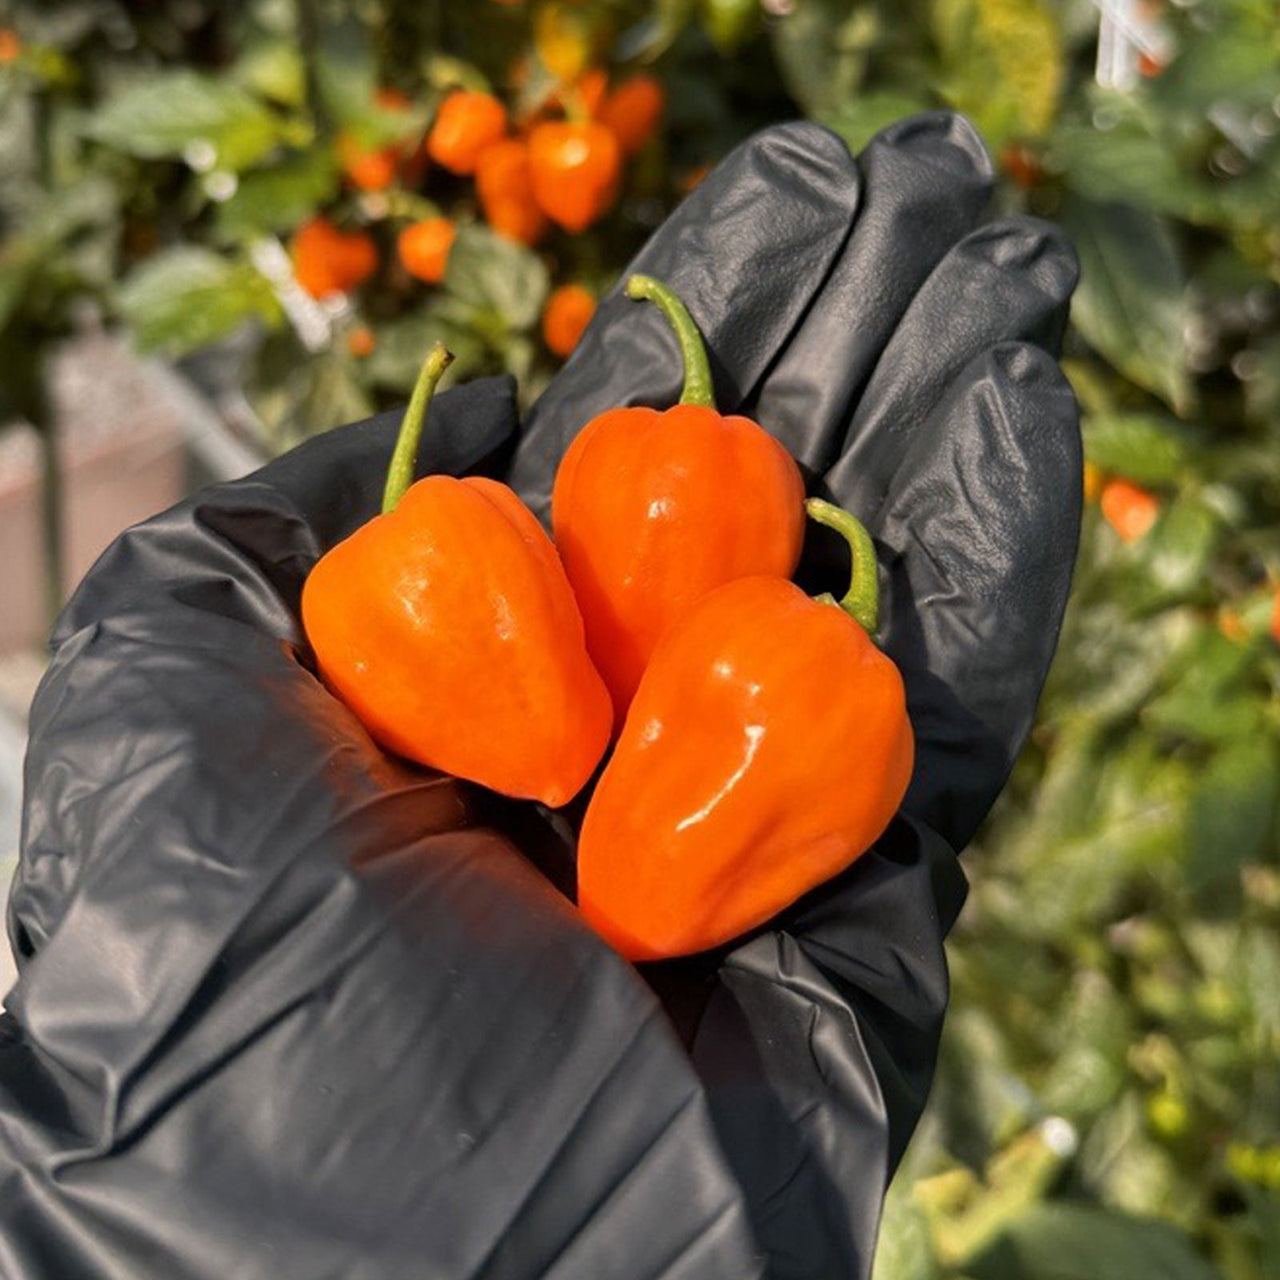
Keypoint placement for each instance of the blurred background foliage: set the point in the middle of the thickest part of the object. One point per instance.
(1108, 1099)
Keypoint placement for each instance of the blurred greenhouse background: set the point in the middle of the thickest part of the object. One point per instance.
(222, 231)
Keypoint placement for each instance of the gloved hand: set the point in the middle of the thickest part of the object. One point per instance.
(289, 1007)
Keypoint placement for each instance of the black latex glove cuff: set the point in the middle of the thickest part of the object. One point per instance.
(287, 1006)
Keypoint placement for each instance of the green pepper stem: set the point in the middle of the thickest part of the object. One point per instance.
(697, 371)
(400, 472)
(861, 602)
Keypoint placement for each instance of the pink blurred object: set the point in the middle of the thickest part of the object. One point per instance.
(122, 448)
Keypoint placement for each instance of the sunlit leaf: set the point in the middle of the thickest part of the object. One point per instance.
(169, 112)
(187, 298)
(1003, 64)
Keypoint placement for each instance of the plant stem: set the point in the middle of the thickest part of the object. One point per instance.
(697, 371)
(400, 472)
(861, 602)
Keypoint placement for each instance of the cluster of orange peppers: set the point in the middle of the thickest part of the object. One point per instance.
(562, 165)
(760, 738)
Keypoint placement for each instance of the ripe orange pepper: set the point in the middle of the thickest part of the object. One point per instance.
(361, 341)
(1273, 627)
(328, 261)
(373, 170)
(767, 748)
(642, 518)
(567, 314)
(632, 111)
(576, 168)
(504, 185)
(423, 248)
(448, 626)
(1128, 509)
(465, 125)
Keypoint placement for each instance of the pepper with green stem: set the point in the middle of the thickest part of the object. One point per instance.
(447, 625)
(652, 509)
(766, 749)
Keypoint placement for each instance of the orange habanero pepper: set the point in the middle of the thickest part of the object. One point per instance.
(377, 168)
(632, 111)
(642, 518)
(448, 627)
(767, 748)
(1128, 508)
(423, 248)
(505, 187)
(328, 261)
(576, 167)
(565, 318)
(465, 125)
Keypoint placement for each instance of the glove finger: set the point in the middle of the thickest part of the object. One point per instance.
(818, 1046)
(746, 252)
(1008, 281)
(926, 181)
(977, 533)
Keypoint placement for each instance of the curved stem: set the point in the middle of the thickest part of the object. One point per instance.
(697, 372)
(400, 472)
(861, 602)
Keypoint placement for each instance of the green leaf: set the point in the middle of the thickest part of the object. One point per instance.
(1176, 553)
(163, 115)
(1238, 62)
(1131, 303)
(274, 69)
(1126, 164)
(403, 345)
(1003, 64)
(1232, 811)
(281, 197)
(502, 281)
(1207, 698)
(860, 118)
(822, 47)
(903, 1247)
(1062, 1241)
(1142, 447)
(188, 297)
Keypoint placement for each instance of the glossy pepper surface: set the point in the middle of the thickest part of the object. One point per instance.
(768, 746)
(465, 125)
(504, 184)
(575, 168)
(448, 626)
(652, 509)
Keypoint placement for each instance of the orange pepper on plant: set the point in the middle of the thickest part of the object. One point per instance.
(632, 111)
(504, 185)
(328, 261)
(447, 625)
(565, 317)
(767, 748)
(467, 123)
(377, 168)
(423, 248)
(1129, 509)
(576, 167)
(646, 516)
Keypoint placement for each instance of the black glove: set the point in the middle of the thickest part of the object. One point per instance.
(289, 1007)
